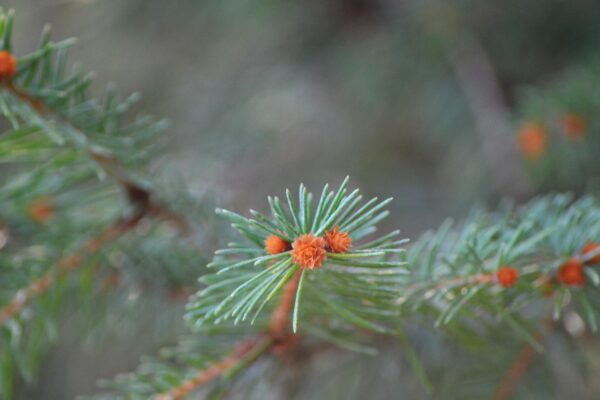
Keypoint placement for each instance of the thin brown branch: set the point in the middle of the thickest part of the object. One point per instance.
(517, 370)
(487, 278)
(477, 77)
(478, 80)
(246, 351)
(66, 265)
(277, 339)
(519, 367)
(280, 318)
(21, 94)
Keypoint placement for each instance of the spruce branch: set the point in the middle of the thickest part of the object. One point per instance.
(58, 104)
(307, 254)
(333, 284)
(69, 155)
(71, 262)
(66, 265)
(551, 244)
(474, 280)
(264, 274)
(531, 238)
(332, 267)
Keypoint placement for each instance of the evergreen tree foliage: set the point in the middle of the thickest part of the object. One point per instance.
(77, 216)
(87, 225)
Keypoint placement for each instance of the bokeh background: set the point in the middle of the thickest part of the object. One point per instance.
(419, 100)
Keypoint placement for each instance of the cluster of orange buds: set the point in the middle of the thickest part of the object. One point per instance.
(8, 65)
(309, 251)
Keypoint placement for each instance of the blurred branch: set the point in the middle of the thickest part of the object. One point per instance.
(138, 195)
(67, 264)
(520, 366)
(476, 76)
(475, 73)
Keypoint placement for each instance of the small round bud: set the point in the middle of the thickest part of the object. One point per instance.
(571, 273)
(336, 241)
(275, 245)
(8, 65)
(532, 140)
(41, 210)
(507, 276)
(589, 248)
(573, 125)
(309, 251)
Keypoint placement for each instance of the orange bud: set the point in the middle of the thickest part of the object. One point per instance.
(591, 247)
(8, 65)
(532, 140)
(573, 125)
(571, 273)
(336, 241)
(309, 251)
(507, 276)
(275, 245)
(41, 210)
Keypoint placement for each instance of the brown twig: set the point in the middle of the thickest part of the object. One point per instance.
(36, 104)
(249, 348)
(477, 78)
(519, 367)
(280, 318)
(278, 339)
(517, 370)
(479, 82)
(66, 265)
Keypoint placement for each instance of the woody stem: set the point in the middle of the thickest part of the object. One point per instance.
(245, 352)
(66, 265)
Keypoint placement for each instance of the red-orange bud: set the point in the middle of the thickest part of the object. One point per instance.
(507, 276)
(571, 273)
(41, 210)
(336, 241)
(309, 251)
(591, 247)
(573, 125)
(532, 140)
(8, 65)
(275, 245)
